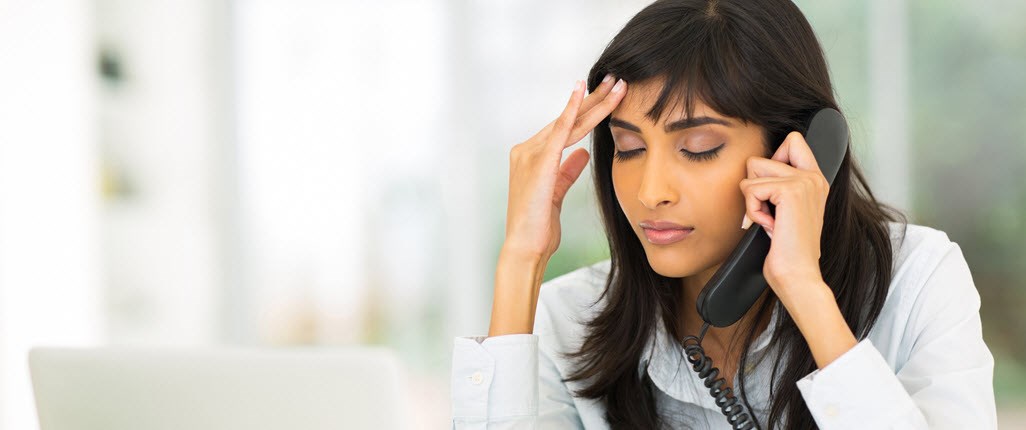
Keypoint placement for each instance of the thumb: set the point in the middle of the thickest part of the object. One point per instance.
(569, 171)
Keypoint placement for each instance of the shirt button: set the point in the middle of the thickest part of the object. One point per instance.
(476, 378)
(831, 411)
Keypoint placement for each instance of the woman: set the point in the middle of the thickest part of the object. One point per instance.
(698, 110)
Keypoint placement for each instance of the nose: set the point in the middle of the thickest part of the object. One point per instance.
(657, 184)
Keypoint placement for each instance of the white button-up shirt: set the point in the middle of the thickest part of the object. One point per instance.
(923, 365)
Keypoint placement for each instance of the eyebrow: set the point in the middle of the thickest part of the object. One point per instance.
(673, 126)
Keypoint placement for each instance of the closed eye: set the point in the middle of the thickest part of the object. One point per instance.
(693, 156)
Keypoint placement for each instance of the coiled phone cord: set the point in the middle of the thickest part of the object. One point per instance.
(737, 415)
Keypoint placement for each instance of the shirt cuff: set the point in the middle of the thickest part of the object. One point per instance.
(856, 390)
(494, 377)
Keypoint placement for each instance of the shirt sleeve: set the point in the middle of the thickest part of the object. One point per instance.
(506, 382)
(947, 382)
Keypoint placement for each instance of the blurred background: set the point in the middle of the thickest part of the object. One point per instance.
(263, 172)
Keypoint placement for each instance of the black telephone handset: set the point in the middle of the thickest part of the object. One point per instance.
(739, 281)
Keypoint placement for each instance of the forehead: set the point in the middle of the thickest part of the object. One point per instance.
(642, 96)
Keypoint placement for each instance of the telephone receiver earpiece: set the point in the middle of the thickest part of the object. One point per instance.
(739, 281)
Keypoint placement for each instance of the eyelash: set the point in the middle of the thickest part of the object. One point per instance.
(693, 156)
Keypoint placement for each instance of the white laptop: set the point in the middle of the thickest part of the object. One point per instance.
(121, 388)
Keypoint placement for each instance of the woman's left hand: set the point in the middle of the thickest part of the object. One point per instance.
(793, 182)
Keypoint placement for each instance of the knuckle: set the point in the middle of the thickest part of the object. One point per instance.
(816, 183)
(563, 121)
(805, 181)
(520, 152)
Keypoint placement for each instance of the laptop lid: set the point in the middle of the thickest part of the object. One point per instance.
(121, 388)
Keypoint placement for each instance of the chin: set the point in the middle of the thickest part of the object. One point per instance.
(670, 262)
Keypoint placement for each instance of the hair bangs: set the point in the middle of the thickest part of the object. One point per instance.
(697, 62)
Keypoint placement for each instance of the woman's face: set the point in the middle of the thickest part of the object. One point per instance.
(663, 183)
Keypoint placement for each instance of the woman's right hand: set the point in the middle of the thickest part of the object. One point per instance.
(537, 185)
(537, 181)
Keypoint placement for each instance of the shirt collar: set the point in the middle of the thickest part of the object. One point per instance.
(670, 371)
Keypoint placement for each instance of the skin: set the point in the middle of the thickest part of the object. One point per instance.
(660, 183)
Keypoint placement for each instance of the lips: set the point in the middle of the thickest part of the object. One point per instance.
(660, 232)
(663, 225)
(668, 236)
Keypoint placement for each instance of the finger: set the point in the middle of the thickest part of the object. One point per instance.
(754, 211)
(587, 121)
(746, 222)
(568, 174)
(599, 94)
(758, 193)
(796, 152)
(776, 180)
(543, 134)
(564, 124)
(589, 102)
(759, 167)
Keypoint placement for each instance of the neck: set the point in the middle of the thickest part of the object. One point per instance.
(690, 322)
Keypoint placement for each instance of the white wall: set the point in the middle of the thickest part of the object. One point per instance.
(162, 140)
(49, 182)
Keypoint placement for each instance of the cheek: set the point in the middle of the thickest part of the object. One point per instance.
(726, 192)
(730, 191)
(626, 193)
(620, 189)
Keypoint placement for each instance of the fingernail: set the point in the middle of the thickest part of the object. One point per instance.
(618, 86)
(745, 222)
(577, 85)
(607, 78)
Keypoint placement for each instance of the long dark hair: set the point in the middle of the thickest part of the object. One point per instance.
(758, 61)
